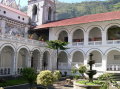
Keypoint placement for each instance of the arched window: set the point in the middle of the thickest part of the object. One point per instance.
(34, 10)
(49, 13)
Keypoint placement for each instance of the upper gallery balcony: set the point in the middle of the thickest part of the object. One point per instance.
(93, 37)
(19, 39)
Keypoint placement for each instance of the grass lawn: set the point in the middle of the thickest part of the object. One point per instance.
(16, 81)
(86, 82)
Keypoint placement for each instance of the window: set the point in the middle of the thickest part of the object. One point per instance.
(34, 10)
(49, 13)
(18, 17)
(4, 12)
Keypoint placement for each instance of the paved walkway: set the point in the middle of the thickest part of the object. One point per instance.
(62, 85)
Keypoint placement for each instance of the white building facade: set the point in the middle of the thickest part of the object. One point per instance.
(22, 36)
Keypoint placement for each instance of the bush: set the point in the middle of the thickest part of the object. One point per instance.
(57, 75)
(82, 69)
(29, 74)
(45, 78)
(1, 88)
(105, 76)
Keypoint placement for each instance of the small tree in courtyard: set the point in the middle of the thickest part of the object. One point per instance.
(30, 75)
(57, 45)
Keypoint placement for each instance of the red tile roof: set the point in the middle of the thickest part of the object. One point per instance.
(13, 10)
(83, 19)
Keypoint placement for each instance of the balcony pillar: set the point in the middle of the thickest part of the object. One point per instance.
(104, 63)
(86, 38)
(41, 62)
(86, 58)
(104, 37)
(3, 23)
(70, 39)
(15, 61)
(29, 59)
(26, 32)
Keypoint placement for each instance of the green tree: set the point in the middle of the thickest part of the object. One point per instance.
(57, 45)
(30, 75)
(82, 69)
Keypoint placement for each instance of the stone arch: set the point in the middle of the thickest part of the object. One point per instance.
(59, 30)
(110, 25)
(23, 46)
(23, 58)
(110, 49)
(7, 60)
(113, 32)
(35, 58)
(93, 26)
(78, 56)
(64, 55)
(73, 51)
(97, 56)
(113, 59)
(94, 49)
(7, 44)
(62, 60)
(78, 35)
(91, 33)
(46, 60)
(63, 36)
(75, 28)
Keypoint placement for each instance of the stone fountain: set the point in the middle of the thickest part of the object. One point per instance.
(91, 72)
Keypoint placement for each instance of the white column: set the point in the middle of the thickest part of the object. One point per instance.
(70, 39)
(26, 32)
(86, 58)
(15, 67)
(3, 26)
(29, 59)
(41, 61)
(86, 37)
(104, 37)
(104, 63)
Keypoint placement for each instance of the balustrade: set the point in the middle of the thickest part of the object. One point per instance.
(113, 67)
(77, 43)
(5, 71)
(113, 42)
(8, 37)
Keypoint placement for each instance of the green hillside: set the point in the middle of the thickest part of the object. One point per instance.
(69, 10)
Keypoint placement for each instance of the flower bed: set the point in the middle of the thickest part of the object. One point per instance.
(84, 84)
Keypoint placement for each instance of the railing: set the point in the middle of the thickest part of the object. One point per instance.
(76, 64)
(5, 71)
(21, 40)
(77, 43)
(63, 65)
(113, 67)
(98, 64)
(113, 42)
(95, 43)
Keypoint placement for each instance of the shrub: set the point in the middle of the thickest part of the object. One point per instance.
(45, 78)
(1, 88)
(29, 74)
(57, 75)
(82, 69)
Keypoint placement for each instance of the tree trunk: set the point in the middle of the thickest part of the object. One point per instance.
(57, 59)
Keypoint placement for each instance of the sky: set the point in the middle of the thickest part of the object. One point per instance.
(24, 2)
